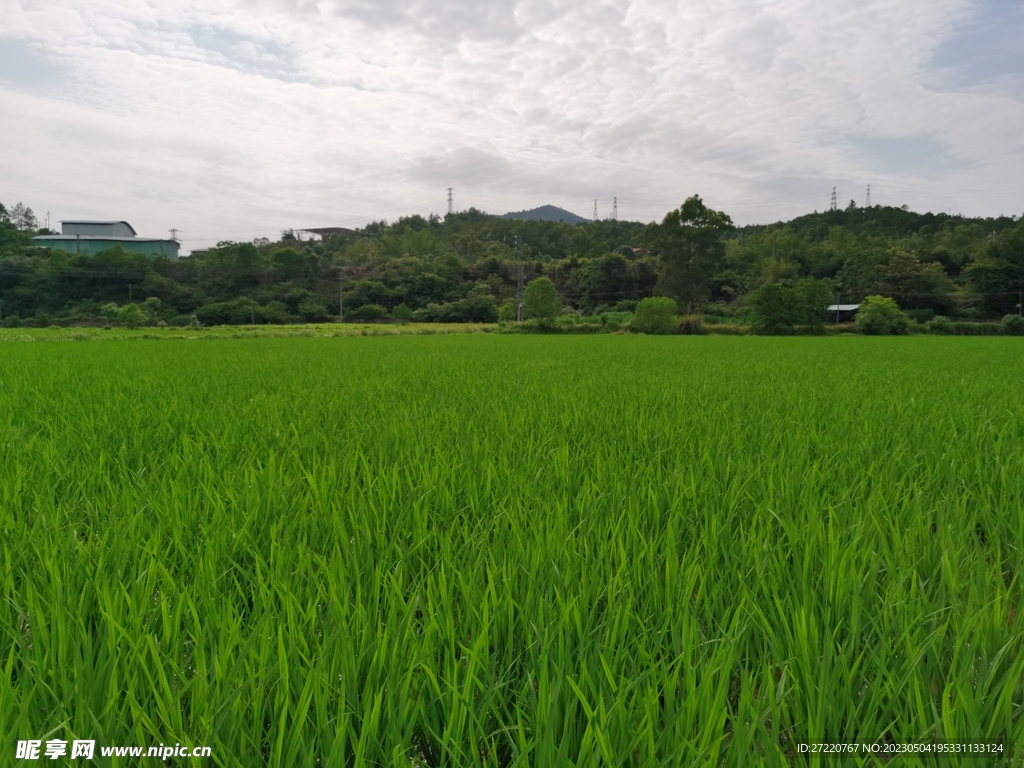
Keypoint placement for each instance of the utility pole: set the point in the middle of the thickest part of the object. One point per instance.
(595, 209)
(129, 293)
(520, 314)
(615, 209)
(450, 208)
(839, 300)
(1020, 303)
(341, 298)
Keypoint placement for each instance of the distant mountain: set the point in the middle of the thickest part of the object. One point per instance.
(546, 213)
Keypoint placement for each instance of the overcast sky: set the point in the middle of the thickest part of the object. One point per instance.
(234, 123)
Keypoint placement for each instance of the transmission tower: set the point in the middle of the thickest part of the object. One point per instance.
(832, 207)
(869, 197)
(615, 209)
(595, 210)
(174, 234)
(520, 314)
(450, 200)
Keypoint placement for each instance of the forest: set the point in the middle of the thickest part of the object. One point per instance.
(465, 267)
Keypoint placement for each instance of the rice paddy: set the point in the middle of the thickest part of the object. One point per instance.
(514, 551)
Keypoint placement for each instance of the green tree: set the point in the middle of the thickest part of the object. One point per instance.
(312, 311)
(815, 297)
(131, 316)
(152, 307)
(402, 312)
(24, 218)
(879, 315)
(690, 245)
(775, 309)
(541, 301)
(507, 311)
(917, 284)
(603, 281)
(367, 313)
(779, 309)
(997, 274)
(654, 315)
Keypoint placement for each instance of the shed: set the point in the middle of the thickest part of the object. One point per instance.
(843, 313)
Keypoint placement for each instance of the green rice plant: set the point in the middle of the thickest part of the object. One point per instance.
(513, 550)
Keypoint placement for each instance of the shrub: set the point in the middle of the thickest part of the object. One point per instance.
(152, 307)
(654, 315)
(312, 311)
(242, 311)
(507, 312)
(614, 321)
(978, 329)
(922, 316)
(402, 312)
(131, 316)
(691, 325)
(472, 309)
(941, 325)
(367, 313)
(1013, 325)
(879, 316)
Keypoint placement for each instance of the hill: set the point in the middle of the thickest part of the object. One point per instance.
(547, 213)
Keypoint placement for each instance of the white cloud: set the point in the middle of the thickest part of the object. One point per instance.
(258, 116)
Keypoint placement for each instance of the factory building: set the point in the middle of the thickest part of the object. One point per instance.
(91, 237)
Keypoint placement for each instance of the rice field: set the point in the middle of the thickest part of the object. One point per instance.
(478, 550)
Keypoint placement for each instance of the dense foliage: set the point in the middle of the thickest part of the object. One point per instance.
(654, 315)
(465, 267)
(505, 551)
(879, 315)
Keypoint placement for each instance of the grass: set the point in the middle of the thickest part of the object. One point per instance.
(513, 550)
(55, 333)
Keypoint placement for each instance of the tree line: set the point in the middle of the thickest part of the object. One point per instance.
(465, 267)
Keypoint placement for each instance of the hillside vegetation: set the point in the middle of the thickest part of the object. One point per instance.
(464, 268)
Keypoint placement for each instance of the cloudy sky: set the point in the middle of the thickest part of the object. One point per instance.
(234, 123)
